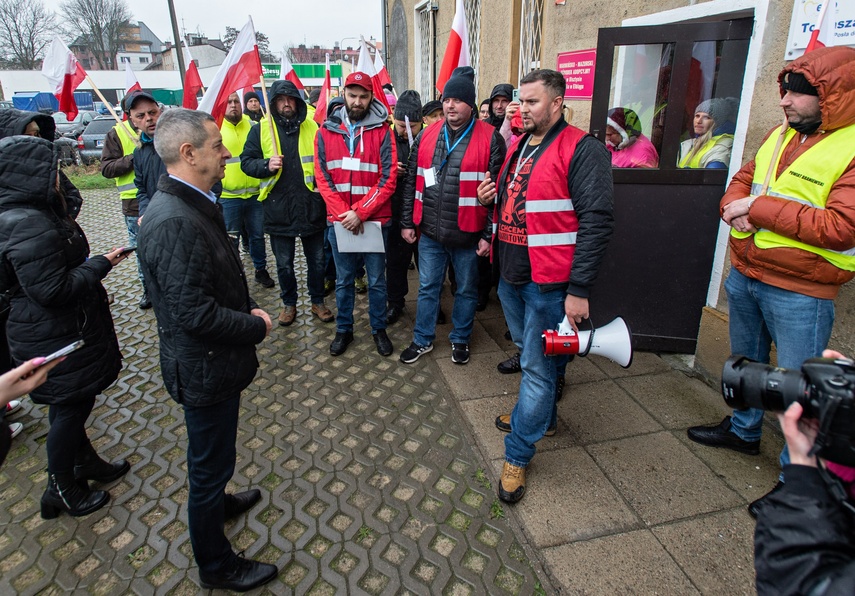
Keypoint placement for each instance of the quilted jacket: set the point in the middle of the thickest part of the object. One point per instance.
(439, 216)
(61, 299)
(832, 72)
(197, 285)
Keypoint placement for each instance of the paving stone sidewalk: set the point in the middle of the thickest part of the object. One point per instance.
(370, 483)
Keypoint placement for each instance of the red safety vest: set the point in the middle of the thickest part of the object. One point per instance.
(551, 222)
(471, 215)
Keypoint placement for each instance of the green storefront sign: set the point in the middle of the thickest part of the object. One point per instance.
(304, 71)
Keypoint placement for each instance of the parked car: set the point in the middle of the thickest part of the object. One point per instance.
(69, 155)
(75, 127)
(90, 143)
(6, 104)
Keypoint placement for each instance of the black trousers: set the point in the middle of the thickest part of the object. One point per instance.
(67, 434)
(399, 253)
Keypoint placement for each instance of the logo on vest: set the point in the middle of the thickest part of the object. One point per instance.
(807, 178)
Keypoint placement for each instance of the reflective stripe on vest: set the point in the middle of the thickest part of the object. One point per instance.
(236, 184)
(125, 183)
(471, 215)
(808, 181)
(696, 160)
(305, 147)
(563, 239)
(336, 164)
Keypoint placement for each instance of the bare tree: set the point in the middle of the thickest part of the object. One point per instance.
(100, 24)
(25, 30)
(261, 40)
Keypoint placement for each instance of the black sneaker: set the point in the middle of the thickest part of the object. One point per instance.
(263, 277)
(459, 353)
(384, 345)
(412, 353)
(510, 366)
(340, 343)
(145, 302)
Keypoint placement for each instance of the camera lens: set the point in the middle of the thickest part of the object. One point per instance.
(748, 384)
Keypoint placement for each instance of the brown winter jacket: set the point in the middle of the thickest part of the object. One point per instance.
(832, 72)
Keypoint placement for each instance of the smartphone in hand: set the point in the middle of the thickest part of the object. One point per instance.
(127, 250)
(63, 351)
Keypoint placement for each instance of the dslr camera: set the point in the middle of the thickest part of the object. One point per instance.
(825, 388)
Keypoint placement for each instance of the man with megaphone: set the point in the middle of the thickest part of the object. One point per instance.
(551, 223)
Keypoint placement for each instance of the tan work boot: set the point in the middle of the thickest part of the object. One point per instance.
(512, 483)
(287, 316)
(503, 423)
(322, 312)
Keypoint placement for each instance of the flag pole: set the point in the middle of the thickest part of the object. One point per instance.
(269, 117)
(109, 106)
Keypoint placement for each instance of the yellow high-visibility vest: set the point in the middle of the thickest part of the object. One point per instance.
(127, 137)
(236, 184)
(305, 146)
(807, 180)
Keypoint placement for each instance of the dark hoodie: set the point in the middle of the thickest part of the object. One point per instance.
(14, 122)
(500, 90)
(290, 209)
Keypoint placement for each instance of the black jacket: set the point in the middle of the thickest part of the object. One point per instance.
(500, 90)
(290, 209)
(197, 285)
(60, 299)
(148, 168)
(14, 122)
(402, 146)
(805, 539)
(440, 202)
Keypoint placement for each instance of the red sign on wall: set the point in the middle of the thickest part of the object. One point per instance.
(578, 70)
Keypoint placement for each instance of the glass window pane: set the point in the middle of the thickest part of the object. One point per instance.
(710, 116)
(638, 98)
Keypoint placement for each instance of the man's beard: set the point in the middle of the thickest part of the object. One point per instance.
(233, 118)
(540, 126)
(356, 114)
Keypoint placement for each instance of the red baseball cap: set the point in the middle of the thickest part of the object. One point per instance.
(359, 78)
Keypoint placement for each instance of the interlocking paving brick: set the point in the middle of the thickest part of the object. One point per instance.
(367, 478)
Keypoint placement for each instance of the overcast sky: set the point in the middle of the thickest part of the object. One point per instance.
(285, 22)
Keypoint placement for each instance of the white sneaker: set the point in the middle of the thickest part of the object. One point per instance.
(16, 428)
(13, 406)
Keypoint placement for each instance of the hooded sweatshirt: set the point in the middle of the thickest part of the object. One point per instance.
(291, 209)
(832, 72)
(500, 90)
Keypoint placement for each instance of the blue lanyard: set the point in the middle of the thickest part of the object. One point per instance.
(456, 143)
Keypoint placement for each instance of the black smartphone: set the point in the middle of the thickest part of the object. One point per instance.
(127, 250)
(63, 351)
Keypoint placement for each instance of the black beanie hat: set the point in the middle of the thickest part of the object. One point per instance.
(250, 95)
(797, 83)
(461, 85)
(409, 106)
(430, 107)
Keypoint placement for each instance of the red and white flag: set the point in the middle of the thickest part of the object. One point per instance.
(324, 97)
(242, 68)
(131, 82)
(457, 50)
(380, 69)
(822, 34)
(366, 65)
(287, 72)
(192, 83)
(64, 73)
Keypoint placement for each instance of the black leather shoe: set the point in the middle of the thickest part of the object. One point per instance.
(755, 506)
(241, 502)
(393, 313)
(510, 366)
(384, 345)
(145, 303)
(340, 343)
(241, 575)
(721, 436)
(481, 305)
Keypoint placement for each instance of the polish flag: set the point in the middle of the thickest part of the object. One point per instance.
(366, 65)
(131, 82)
(287, 72)
(822, 34)
(380, 69)
(457, 50)
(324, 97)
(242, 68)
(64, 74)
(192, 83)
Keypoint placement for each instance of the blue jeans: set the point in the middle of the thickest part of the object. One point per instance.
(433, 262)
(528, 311)
(346, 266)
(283, 252)
(249, 214)
(329, 262)
(761, 314)
(132, 223)
(211, 436)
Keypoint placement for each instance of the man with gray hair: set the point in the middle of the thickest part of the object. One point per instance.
(209, 326)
